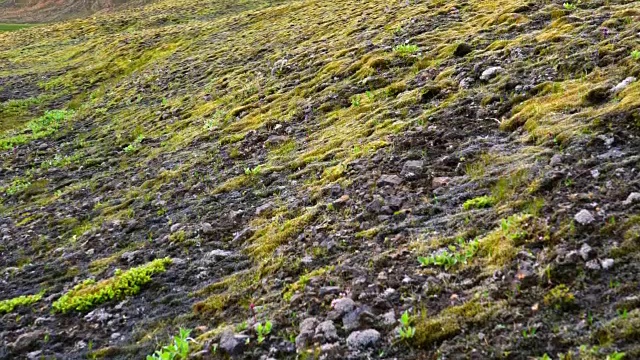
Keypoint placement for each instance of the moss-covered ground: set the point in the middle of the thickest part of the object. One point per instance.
(285, 155)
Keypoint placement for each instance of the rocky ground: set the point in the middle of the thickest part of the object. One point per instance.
(324, 166)
(46, 11)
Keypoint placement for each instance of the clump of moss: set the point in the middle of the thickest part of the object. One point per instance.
(560, 298)
(38, 128)
(479, 203)
(622, 328)
(89, 294)
(7, 306)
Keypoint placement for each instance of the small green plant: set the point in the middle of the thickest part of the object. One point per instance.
(569, 6)
(560, 298)
(616, 356)
(635, 55)
(406, 50)
(406, 330)
(89, 294)
(623, 313)
(135, 145)
(452, 256)
(178, 350)
(252, 172)
(355, 101)
(529, 332)
(7, 306)
(17, 186)
(478, 203)
(263, 331)
(545, 357)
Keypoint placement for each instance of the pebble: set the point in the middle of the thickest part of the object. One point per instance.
(584, 217)
(491, 72)
(363, 339)
(607, 264)
(633, 198)
(622, 85)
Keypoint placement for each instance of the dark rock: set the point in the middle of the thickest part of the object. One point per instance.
(391, 180)
(412, 169)
(597, 95)
(462, 49)
(429, 92)
(231, 344)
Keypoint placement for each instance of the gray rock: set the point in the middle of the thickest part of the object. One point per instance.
(129, 256)
(363, 339)
(219, 253)
(264, 208)
(34, 355)
(343, 305)
(275, 140)
(175, 227)
(391, 180)
(440, 182)
(27, 340)
(607, 263)
(633, 198)
(231, 344)
(327, 331)
(412, 169)
(491, 72)
(593, 264)
(115, 335)
(206, 228)
(307, 331)
(622, 85)
(584, 217)
(98, 315)
(587, 252)
(555, 160)
(389, 318)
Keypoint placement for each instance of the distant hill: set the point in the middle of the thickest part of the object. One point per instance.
(39, 11)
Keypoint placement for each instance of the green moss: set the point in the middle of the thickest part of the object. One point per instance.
(560, 298)
(38, 128)
(621, 329)
(90, 294)
(7, 306)
(478, 203)
(267, 239)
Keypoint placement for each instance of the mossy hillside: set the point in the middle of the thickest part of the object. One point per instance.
(205, 90)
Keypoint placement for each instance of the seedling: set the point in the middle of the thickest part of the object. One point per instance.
(135, 145)
(263, 331)
(355, 101)
(406, 330)
(252, 172)
(569, 6)
(406, 50)
(529, 332)
(178, 350)
(635, 55)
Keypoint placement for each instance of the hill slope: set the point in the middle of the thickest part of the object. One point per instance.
(326, 166)
(40, 11)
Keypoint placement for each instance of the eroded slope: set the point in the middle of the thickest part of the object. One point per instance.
(295, 159)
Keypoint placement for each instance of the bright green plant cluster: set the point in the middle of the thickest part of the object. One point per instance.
(406, 50)
(253, 172)
(178, 350)
(89, 294)
(7, 306)
(406, 331)
(39, 128)
(560, 298)
(135, 145)
(569, 6)
(479, 203)
(635, 55)
(453, 255)
(263, 331)
(512, 229)
(17, 186)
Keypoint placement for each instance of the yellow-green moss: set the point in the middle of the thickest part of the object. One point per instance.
(7, 306)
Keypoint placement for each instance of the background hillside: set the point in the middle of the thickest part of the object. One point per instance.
(42, 11)
(326, 166)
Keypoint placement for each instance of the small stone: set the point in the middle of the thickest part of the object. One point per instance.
(115, 335)
(343, 305)
(342, 201)
(490, 73)
(219, 253)
(633, 198)
(584, 217)
(462, 49)
(607, 263)
(362, 339)
(391, 180)
(389, 318)
(230, 344)
(264, 209)
(327, 330)
(98, 315)
(307, 330)
(412, 169)
(175, 227)
(622, 85)
(586, 252)
(593, 265)
(440, 182)
(129, 256)
(206, 228)
(555, 160)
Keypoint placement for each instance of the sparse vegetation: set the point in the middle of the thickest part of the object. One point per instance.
(179, 350)
(7, 306)
(406, 49)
